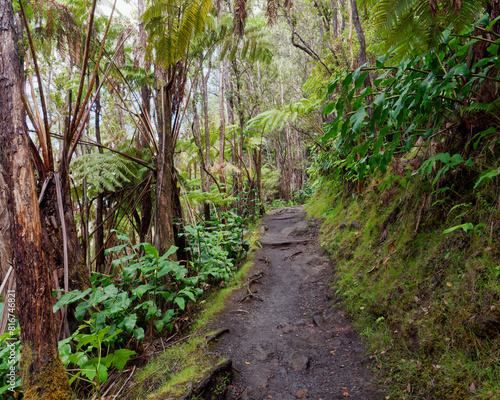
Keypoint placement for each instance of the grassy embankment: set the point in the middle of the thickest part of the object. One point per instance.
(427, 303)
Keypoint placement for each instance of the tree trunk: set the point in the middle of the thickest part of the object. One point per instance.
(143, 142)
(164, 233)
(42, 371)
(5, 249)
(222, 115)
(99, 227)
(359, 32)
(204, 94)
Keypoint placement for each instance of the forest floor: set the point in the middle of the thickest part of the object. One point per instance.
(286, 340)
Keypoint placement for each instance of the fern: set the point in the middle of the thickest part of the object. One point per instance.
(104, 172)
(172, 25)
(492, 108)
(411, 25)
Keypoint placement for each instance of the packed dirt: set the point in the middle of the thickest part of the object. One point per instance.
(285, 339)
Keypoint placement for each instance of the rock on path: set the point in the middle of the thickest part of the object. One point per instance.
(292, 344)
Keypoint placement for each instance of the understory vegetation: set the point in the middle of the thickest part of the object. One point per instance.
(142, 142)
(410, 201)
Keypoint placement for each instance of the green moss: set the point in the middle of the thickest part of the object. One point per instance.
(48, 383)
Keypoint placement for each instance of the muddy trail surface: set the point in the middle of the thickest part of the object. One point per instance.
(285, 340)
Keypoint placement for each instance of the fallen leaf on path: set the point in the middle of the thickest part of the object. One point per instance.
(247, 363)
(345, 394)
(408, 387)
(472, 387)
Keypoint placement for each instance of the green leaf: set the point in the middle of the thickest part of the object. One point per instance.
(140, 290)
(465, 227)
(129, 322)
(329, 108)
(379, 100)
(159, 324)
(122, 260)
(486, 175)
(180, 302)
(113, 249)
(121, 357)
(357, 119)
(169, 252)
(379, 62)
(138, 333)
(188, 294)
(148, 248)
(70, 297)
(120, 236)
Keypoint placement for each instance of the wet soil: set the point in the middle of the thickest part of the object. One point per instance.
(287, 341)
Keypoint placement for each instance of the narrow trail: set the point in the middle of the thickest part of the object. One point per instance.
(287, 342)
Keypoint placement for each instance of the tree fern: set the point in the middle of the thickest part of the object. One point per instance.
(172, 24)
(104, 172)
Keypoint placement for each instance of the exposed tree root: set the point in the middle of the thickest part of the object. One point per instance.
(250, 294)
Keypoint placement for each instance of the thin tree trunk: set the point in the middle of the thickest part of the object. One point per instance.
(335, 22)
(204, 95)
(222, 116)
(42, 371)
(164, 233)
(359, 32)
(146, 201)
(99, 230)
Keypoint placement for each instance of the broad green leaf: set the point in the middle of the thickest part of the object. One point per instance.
(129, 322)
(140, 290)
(357, 119)
(121, 357)
(148, 248)
(188, 294)
(123, 259)
(138, 333)
(113, 249)
(180, 302)
(329, 108)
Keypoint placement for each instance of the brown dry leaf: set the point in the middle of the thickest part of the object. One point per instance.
(472, 387)
(390, 248)
(345, 394)
(375, 267)
(408, 387)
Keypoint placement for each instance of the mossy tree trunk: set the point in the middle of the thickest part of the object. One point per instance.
(43, 373)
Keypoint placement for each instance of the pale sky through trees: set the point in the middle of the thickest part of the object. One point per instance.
(124, 7)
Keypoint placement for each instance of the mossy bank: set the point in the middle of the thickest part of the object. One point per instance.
(424, 294)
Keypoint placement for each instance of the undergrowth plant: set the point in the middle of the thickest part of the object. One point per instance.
(145, 295)
(426, 101)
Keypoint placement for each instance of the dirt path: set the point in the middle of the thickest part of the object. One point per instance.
(289, 343)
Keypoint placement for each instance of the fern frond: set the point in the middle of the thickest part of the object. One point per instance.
(173, 24)
(104, 172)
